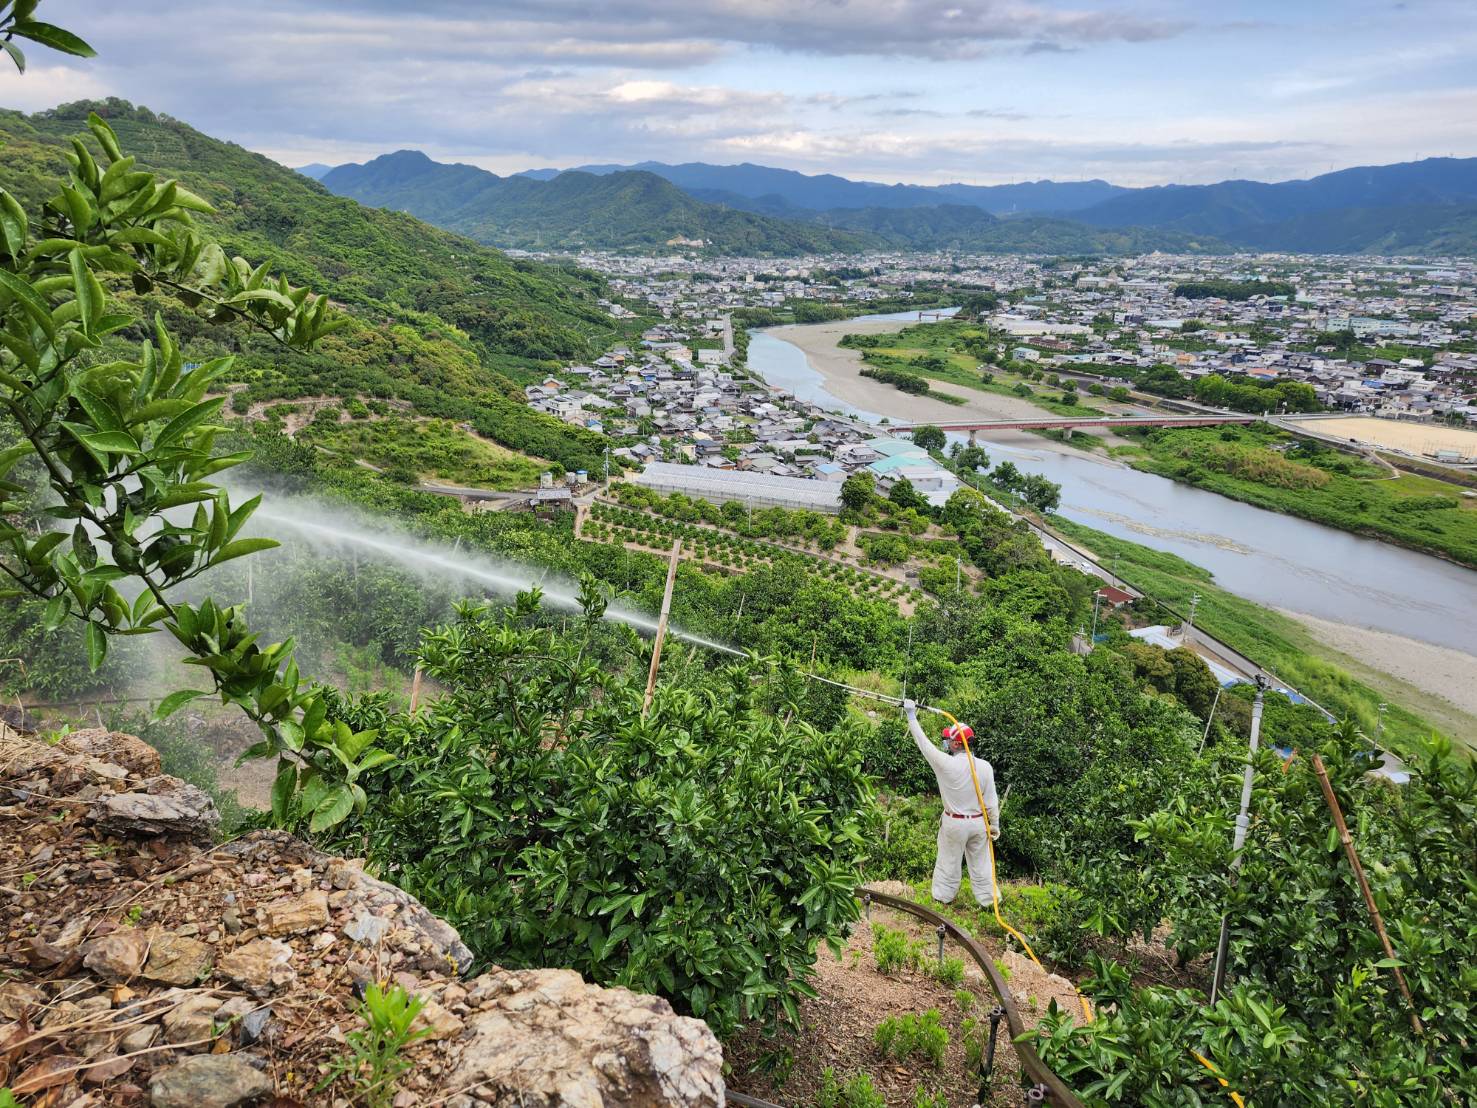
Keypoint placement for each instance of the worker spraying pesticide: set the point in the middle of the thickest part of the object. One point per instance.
(962, 827)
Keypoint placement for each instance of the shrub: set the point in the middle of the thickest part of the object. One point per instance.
(893, 950)
(701, 853)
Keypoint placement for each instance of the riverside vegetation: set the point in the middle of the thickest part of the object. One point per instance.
(705, 849)
(1276, 470)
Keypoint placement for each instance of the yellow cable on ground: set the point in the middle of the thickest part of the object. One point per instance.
(994, 873)
(1232, 1093)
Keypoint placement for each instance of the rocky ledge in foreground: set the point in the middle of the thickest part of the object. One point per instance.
(142, 966)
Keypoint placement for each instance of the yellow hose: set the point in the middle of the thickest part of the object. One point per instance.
(994, 872)
(1232, 1093)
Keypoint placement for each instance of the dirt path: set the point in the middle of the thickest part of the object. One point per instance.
(840, 1023)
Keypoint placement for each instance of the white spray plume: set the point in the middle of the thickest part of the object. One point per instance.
(325, 528)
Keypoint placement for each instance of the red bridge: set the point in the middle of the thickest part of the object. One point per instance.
(1075, 424)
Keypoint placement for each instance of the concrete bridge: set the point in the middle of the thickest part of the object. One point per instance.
(1078, 423)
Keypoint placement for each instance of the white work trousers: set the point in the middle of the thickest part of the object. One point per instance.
(960, 839)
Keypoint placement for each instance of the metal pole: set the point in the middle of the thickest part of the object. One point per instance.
(661, 626)
(1208, 720)
(907, 661)
(1096, 600)
(1243, 821)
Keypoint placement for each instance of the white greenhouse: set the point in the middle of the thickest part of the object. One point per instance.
(757, 489)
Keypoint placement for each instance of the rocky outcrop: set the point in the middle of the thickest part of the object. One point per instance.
(141, 966)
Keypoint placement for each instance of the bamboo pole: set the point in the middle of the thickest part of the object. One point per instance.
(415, 690)
(1353, 855)
(1238, 840)
(661, 626)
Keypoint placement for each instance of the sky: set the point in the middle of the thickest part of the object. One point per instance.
(982, 91)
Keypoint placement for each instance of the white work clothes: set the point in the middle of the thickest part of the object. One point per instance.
(961, 839)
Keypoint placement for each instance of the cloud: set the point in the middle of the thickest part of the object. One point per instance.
(45, 86)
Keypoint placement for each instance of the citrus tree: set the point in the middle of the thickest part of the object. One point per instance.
(128, 507)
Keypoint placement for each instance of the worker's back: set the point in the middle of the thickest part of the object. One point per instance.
(956, 787)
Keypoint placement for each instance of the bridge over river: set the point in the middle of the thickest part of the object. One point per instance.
(1077, 423)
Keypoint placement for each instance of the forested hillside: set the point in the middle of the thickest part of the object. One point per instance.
(619, 211)
(435, 320)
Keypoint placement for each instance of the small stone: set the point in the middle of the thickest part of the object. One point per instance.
(291, 915)
(231, 921)
(209, 1081)
(323, 940)
(260, 965)
(176, 960)
(165, 806)
(367, 929)
(253, 1024)
(438, 1021)
(120, 954)
(343, 874)
(107, 1069)
(192, 1021)
(140, 1038)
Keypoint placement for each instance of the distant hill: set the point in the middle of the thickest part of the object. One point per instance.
(825, 191)
(315, 170)
(617, 211)
(1360, 210)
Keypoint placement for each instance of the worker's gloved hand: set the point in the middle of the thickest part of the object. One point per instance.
(910, 709)
(994, 834)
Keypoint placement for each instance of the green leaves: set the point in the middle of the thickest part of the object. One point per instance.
(49, 35)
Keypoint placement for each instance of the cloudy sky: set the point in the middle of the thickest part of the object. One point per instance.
(986, 91)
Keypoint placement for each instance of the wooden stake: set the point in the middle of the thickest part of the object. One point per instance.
(661, 626)
(415, 689)
(1353, 855)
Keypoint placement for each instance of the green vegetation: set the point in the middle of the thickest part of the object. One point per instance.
(957, 353)
(1250, 394)
(426, 449)
(1231, 290)
(903, 1037)
(434, 320)
(1276, 470)
(374, 1062)
(858, 1092)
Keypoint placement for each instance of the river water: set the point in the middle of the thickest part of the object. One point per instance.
(1264, 556)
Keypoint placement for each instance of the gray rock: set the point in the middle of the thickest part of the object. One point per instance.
(193, 1021)
(548, 1040)
(163, 806)
(367, 929)
(209, 1081)
(292, 915)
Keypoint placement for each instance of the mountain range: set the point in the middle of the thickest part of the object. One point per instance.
(633, 209)
(1424, 207)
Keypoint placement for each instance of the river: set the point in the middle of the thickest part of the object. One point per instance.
(1273, 559)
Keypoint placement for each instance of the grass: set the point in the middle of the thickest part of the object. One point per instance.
(428, 448)
(1420, 513)
(1341, 684)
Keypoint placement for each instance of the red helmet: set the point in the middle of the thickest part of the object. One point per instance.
(958, 732)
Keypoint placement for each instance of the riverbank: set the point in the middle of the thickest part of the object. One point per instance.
(1447, 675)
(1345, 668)
(840, 371)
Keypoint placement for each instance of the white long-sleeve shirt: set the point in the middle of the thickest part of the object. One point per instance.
(952, 774)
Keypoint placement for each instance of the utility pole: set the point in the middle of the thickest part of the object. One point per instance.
(1243, 821)
(1194, 603)
(956, 575)
(1379, 727)
(607, 468)
(1097, 599)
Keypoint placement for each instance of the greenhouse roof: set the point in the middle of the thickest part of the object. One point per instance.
(730, 484)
